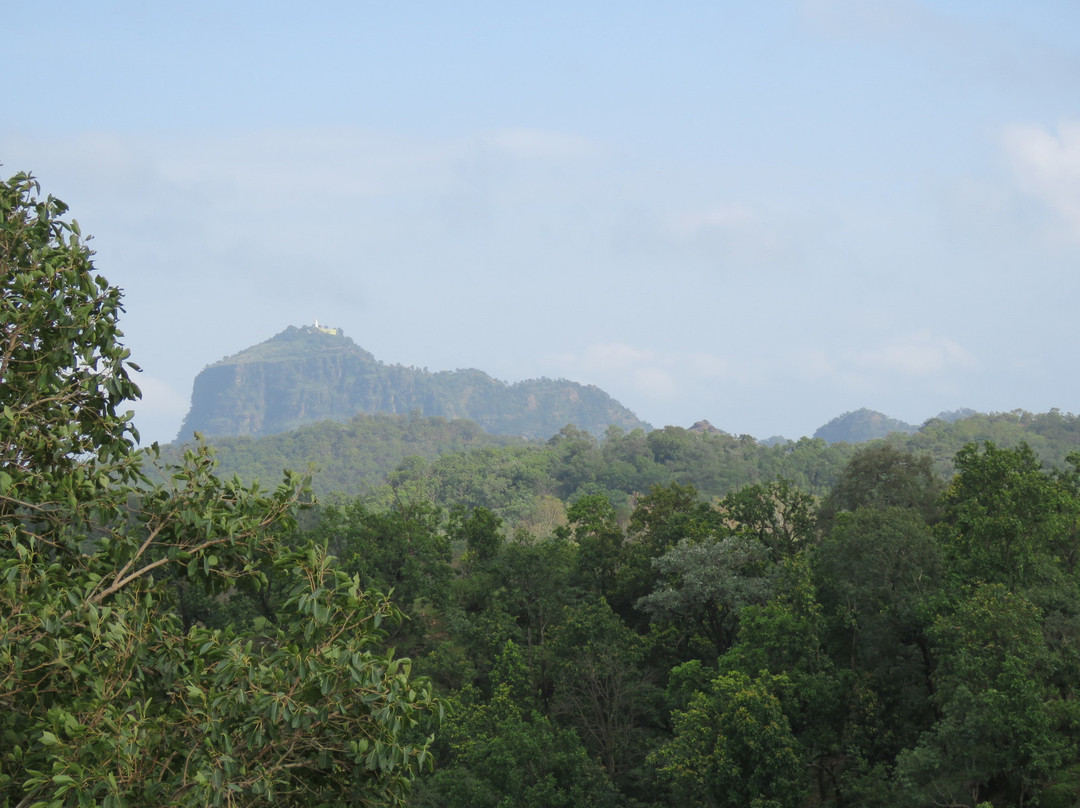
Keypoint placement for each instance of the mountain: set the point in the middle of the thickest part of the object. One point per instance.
(311, 373)
(861, 425)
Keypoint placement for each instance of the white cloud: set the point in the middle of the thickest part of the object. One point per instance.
(655, 382)
(1046, 166)
(917, 354)
(863, 17)
(720, 217)
(865, 365)
(294, 170)
(728, 235)
(903, 359)
(613, 356)
(709, 365)
(649, 374)
(533, 143)
(299, 169)
(810, 363)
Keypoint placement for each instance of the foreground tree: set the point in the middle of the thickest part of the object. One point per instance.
(105, 699)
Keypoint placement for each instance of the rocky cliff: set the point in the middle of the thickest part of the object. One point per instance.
(310, 374)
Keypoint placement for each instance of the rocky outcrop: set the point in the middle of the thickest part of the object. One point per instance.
(310, 374)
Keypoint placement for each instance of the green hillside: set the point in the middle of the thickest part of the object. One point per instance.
(861, 425)
(458, 462)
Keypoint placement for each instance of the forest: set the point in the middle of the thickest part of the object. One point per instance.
(668, 618)
(900, 640)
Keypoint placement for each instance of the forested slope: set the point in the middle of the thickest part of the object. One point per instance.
(510, 476)
(352, 456)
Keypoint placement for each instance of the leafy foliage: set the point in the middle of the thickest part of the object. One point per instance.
(643, 619)
(733, 746)
(457, 463)
(352, 457)
(106, 697)
(501, 753)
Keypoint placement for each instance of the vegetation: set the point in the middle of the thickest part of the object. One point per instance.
(456, 462)
(108, 695)
(675, 617)
(351, 457)
(861, 425)
(901, 641)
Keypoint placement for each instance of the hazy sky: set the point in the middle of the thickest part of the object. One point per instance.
(760, 213)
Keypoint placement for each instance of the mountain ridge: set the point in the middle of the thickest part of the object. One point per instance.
(308, 374)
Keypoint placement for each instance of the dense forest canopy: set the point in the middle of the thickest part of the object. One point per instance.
(459, 463)
(672, 617)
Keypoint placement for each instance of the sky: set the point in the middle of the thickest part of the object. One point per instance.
(760, 214)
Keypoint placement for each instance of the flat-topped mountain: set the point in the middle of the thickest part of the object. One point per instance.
(313, 373)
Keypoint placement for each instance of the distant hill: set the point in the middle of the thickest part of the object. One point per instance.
(862, 425)
(310, 374)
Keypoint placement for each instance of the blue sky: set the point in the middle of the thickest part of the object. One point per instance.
(762, 214)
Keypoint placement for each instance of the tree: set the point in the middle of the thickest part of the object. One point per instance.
(1008, 521)
(777, 514)
(105, 698)
(879, 574)
(533, 580)
(668, 514)
(599, 686)
(784, 636)
(660, 520)
(503, 754)
(63, 372)
(880, 571)
(401, 548)
(600, 542)
(881, 476)
(706, 584)
(479, 530)
(733, 747)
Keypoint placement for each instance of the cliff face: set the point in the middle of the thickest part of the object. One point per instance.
(304, 375)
